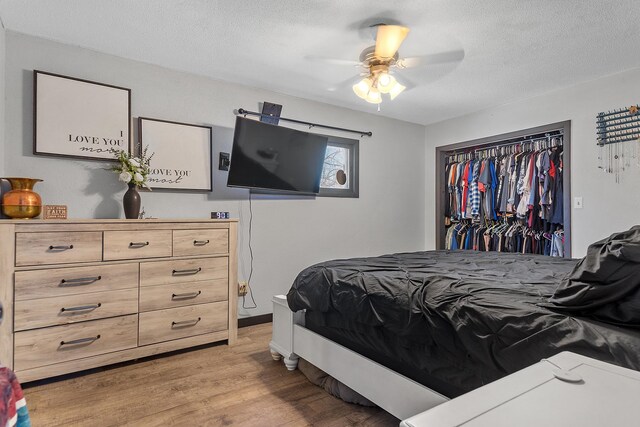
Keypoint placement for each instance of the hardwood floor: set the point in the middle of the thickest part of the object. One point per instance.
(213, 386)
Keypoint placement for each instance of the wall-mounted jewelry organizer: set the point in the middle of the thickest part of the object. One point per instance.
(618, 136)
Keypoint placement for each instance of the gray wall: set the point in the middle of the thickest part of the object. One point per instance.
(608, 206)
(288, 233)
(4, 185)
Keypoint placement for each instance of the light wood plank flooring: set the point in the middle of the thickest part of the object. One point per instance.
(213, 386)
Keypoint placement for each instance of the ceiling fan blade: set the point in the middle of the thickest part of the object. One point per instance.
(408, 84)
(333, 61)
(389, 39)
(431, 59)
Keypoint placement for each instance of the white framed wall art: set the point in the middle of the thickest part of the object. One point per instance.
(182, 154)
(79, 118)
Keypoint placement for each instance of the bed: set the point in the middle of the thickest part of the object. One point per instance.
(447, 322)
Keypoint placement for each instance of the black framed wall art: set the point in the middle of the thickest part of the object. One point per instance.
(79, 118)
(182, 158)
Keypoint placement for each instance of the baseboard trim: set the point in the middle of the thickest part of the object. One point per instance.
(243, 322)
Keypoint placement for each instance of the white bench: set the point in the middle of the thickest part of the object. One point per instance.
(566, 390)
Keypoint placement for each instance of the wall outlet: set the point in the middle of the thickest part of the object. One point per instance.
(243, 289)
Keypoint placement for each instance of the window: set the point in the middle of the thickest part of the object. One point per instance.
(340, 172)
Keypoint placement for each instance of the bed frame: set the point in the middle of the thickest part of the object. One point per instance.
(395, 393)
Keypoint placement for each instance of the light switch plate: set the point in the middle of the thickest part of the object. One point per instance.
(577, 202)
(223, 163)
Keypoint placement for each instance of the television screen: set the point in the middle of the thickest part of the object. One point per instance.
(271, 157)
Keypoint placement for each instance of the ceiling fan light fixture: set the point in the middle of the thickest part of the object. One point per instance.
(386, 83)
(379, 59)
(374, 96)
(362, 87)
(396, 90)
(384, 79)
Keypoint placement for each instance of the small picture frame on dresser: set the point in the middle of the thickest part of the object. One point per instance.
(54, 212)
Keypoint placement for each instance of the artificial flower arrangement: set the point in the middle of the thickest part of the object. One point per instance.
(133, 170)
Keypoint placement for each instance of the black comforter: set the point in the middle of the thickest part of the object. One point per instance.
(466, 318)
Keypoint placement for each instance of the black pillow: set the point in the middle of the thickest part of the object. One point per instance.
(605, 284)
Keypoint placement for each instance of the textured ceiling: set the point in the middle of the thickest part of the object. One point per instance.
(513, 49)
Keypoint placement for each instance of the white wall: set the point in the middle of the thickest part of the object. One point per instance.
(288, 233)
(608, 206)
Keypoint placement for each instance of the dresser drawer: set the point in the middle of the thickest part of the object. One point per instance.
(183, 271)
(74, 280)
(200, 242)
(182, 322)
(58, 247)
(181, 294)
(137, 244)
(43, 312)
(57, 344)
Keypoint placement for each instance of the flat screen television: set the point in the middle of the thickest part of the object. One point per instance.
(276, 159)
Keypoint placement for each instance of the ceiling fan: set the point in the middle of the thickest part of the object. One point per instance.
(378, 59)
(381, 60)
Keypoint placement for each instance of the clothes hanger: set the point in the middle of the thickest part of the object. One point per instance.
(504, 225)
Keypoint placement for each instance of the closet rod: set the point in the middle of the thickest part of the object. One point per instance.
(513, 141)
(506, 144)
(243, 112)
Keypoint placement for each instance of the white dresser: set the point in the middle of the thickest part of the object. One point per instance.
(565, 390)
(78, 294)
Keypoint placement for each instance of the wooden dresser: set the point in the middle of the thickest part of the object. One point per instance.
(78, 294)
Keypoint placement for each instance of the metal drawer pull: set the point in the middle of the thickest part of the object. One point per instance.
(185, 272)
(88, 340)
(79, 281)
(60, 248)
(82, 307)
(138, 244)
(185, 323)
(185, 296)
(200, 242)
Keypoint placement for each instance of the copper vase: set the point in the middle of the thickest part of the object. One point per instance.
(22, 202)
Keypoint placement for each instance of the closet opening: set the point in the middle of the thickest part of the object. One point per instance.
(506, 193)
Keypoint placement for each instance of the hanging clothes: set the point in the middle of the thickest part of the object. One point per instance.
(506, 201)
